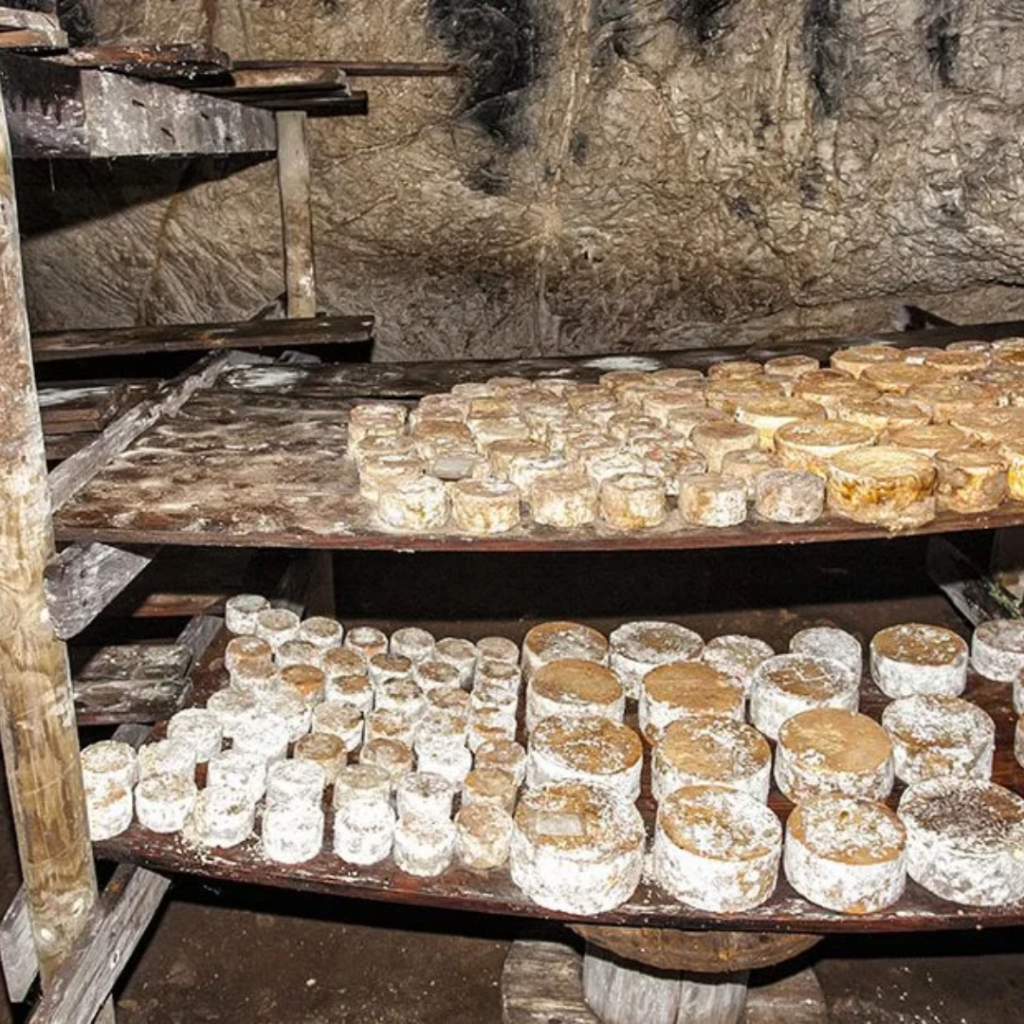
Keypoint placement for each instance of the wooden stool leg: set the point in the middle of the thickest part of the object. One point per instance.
(621, 992)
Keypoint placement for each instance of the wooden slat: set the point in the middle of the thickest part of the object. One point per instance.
(37, 724)
(122, 341)
(362, 68)
(60, 111)
(17, 952)
(293, 180)
(177, 61)
(23, 29)
(290, 78)
(80, 468)
(84, 578)
(81, 987)
(329, 103)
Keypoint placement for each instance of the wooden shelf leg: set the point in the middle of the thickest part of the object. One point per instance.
(37, 718)
(296, 213)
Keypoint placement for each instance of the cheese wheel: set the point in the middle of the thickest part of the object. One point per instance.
(417, 505)
(324, 749)
(638, 647)
(786, 684)
(382, 448)
(488, 429)
(726, 396)
(375, 418)
(808, 446)
(632, 501)
(934, 736)
(930, 439)
(965, 840)
(175, 756)
(363, 831)
(390, 724)
(716, 849)
(785, 496)
(990, 426)
(768, 414)
(403, 696)
(684, 689)
(829, 388)
(501, 453)
(883, 486)
(292, 833)
(222, 817)
(711, 750)
(498, 648)
(715, 440)
(747, 466)
(297, 652)
(306, 681)
(856, 359)
(846, 854)
(997, 649)
(585, 748)
(556, 641)
(321, 631)
(712, 499)
(483, 836)
(353, 690)
(235, 768)
(366, 641)
(263, 735)
(737, 656)
(828, 750)
(361, 783)
(484, 506)
(276, 626)
(108, 809)
(164, 802)
(900, 378)
(109, 762)
(343, 661)
(493, 786)
(830, 642)
(883, 414)
(507, 755)
(434, 674)
(576, 848)
(240, 611)
(423, 846)
(290, 710)
(295, 781)
(917, 658)
(684, 420)
(951, 362)
(387, 472)
(426, 795)
(734, 369)
(660, 403)
(789, 368)
(246, 656)
(498, 675)
(394, 756)
(952, 399)
(487, 724)
(461, 654)
(451, 761)
(200, 729)
(565, 500)
(413, 643)
(970, 481)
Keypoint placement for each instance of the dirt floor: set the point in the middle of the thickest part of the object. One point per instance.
(248, 956)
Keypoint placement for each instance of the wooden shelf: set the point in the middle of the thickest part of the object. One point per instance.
(257, 458)
(494, 892)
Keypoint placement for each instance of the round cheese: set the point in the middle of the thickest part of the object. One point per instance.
(483, 836)
(786, 496)
(484, 506)
(997, 649)
(917, 658)
(638, 647)
(712, 499)
(883, 486)
(830, 642)
(787, 684)
(683, 689)
(557, 641)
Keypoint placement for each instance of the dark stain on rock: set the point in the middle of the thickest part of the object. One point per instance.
(501, 42)
(579, 146)
(825, 51)
(706, 22)
(491, 177)
(76, 18)
(942, 38)
(811, 181)
(330, 6)
(614, 30)
(763, 123)
(744, 208)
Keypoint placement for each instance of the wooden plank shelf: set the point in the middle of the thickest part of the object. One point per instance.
(257, 458)
(494, 892)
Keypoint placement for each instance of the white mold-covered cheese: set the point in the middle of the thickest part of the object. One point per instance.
(235, 768)
(363, 831)
(934, 736)
(830, 642)
(632, 501)
(638, 647)
(292, 833)
(711, 751)
(789, 496)
(200, 728)
(715, 440)
(394, 756)
(109, 762)
(340, 719)
(883, 486)
(483, 836)
(576, 848)
(712, 499)
(355, 782)
(997, 649)
(365, 641)
(846, 854)
(737, 656)
(484, 506)
(965, 840)
(585, 748)
(295, 781)
(164, 802)
(424, 794)
(565, 500)
(574, 687)
(507, 755)
(494, 786)
(324, 749)
(277, 626)
(222, 817)
(828, 750)
(413, 643)
(240, 613)
(108, 809)
(787, 684)
(684, 689)
(716, 849)
(174, 756)
(558, 641)
(417, 505)
(424, 846)
(918, 658)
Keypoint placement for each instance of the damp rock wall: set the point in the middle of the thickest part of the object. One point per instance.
(608, 175)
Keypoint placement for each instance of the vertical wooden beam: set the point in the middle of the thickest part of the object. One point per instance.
(296, 213)
(37, 717)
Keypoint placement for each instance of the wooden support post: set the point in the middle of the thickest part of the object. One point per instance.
(37, 719)
(296, 213)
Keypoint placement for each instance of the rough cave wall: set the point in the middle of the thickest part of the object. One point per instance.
(613, 174)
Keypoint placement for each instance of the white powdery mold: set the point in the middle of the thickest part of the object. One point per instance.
(934, 736)
(342, 662)
(263, 735)
(109, 762)
(164, 802)
(636, 648)
(361, 782)
(460, 654)
(221, 817)
(507, 755)
(292, 833)
(915, 657)
(434, 674)
(682, 690)
(709, 750)
(425, 795)
(240, 770)
(828, 750)
(403, 696)
(997, 649)
(108, 810)
(586, 748)
(240, 613)
(565, 501)
(846, 854)
(574, 687)
(167, 756)
(387, 668)
(321, 631)
(484, 506)
(489, 723)
(493, 786)
(789, 496)
(413, 643)
(394, 756)
(787, 684)
(497, 648)
(389, 724)
(498, 674)
(576, 848)
(712, 499)
(338, 718)
(323, 749)
(200, 728)
(483, 836)
(737, 656)
(452, 761)
(716, 849)
(290, 710)
(830, 642)
(277, 626)
(248, 654)
(965, 840)
(364, 830)
(291, 782)
(561, 641)
(298, 652)
(353, 690)
(366, 641)
(423, 846)
(232, 707)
